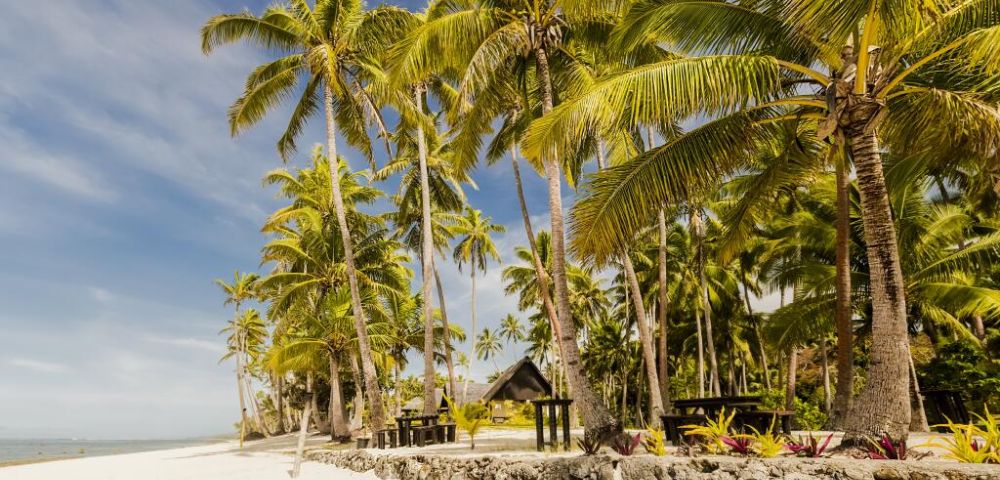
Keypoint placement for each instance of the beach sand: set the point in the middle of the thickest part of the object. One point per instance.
(269, 459)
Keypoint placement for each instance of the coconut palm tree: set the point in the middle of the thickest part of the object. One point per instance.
(511, 329)
(488, 346)
(242, 288)
(475, 246)
(329, 47)
(489, 40)
(877, 93)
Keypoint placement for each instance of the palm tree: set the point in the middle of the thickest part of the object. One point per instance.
(510, 329)
(242, 288)
(488, 346)
(475, 247)
(879, 92)
(329, 47)
(490, 40)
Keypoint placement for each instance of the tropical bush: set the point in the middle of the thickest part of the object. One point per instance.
(811, 447)
(975, 442)
(469, 418)
(712, 433)
(624, 444)
(655, 442)
(962, 366)
(767, 444)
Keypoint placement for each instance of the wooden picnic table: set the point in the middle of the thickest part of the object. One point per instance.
(405, 424)
(712, 405)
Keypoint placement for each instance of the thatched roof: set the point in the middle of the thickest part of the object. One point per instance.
(521, 382)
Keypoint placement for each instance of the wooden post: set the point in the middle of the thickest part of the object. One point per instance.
(554, 436)
(539, 430)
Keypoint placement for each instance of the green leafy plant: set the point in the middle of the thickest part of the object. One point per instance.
(810, 448)
(468, 418)
(655, 442)
(624, 444)
(965, 445)
(712, 432)
(589, 446)
(767, 444)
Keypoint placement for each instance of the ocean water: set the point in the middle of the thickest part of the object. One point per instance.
(47, 449)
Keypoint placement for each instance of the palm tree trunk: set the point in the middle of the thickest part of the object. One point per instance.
(978, 328)
(661, 311)
(338, 426)
(713, 361)
(827, 400)
(541, 274)
(277, 387)
(793, 367)
(398, 389)
(364, 346)
(918, 421)
(472, 338)
(321, 426)
(845, 335)
(239, 388)
(452, 383)
(357, 414)
(303, 429)
(701, 354)
(598, 422)
(884, 404)
(756, 331)
(426, 258)
(645, 339)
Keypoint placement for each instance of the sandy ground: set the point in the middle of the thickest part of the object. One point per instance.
(262, 460)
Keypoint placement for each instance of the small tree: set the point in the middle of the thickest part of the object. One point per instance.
(468, 417)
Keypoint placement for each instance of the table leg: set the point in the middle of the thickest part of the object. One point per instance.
(565, 422)
(554, 437)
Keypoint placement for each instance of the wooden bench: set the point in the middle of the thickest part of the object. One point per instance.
(424, 435)
(389, 434)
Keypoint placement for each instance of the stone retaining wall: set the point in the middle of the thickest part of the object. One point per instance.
(645, 467)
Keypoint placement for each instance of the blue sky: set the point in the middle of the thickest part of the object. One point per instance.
(122, 197)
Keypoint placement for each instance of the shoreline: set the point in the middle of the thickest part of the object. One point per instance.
(262, 459)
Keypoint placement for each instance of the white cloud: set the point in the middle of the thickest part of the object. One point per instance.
(24, 157)
(37, 365)
(101, 295)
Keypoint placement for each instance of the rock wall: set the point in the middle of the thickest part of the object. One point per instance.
(645, 467)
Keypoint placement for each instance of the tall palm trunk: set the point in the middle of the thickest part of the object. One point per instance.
(240, 385)
(426, 257)
(661, 311)
(338, 426)
(827, 400)
(303, 429)
(701, 353)
(277, 387)
(645, 338)
(367, 359)
(884, 404)
(845, 335)
(598, 421)
(793, 367)
(323, 427)
(472, 338)
(918, 420)
(756, 331)
(713, 361)
(398, 387)
(540, 273)
(255, 404)
(358, 411)
(452, 383)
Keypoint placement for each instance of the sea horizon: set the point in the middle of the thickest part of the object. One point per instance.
(29, 450)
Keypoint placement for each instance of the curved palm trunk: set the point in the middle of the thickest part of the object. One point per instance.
(255, 405)
(452, 383)
(884, 404)
(542, 276)
(358, 411)
(277, 387)
(827, 399)
(701, 353)
(918, 420)
(338, 426)
(303, 429)
(845, 335)
(713, 361)
(661, 311)
(598, 421)
(645, 338)
(426, 259)
(364, 346)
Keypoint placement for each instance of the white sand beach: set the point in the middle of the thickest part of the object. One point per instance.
(262, 460)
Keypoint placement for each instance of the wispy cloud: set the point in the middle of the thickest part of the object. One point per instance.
(37, 365)
(187, 343)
